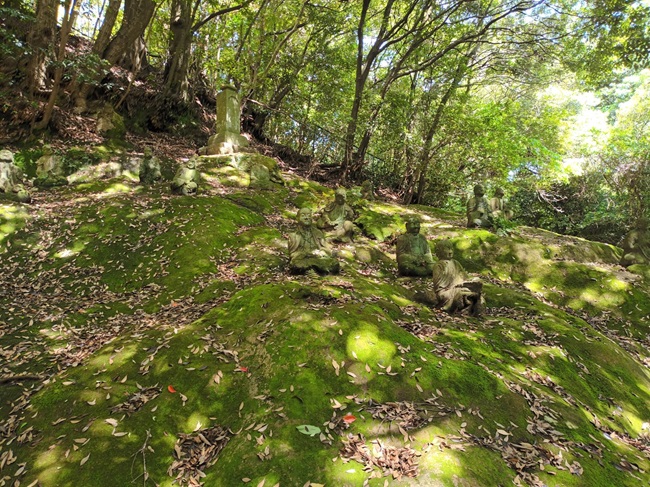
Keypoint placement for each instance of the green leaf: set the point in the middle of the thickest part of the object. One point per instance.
(308, 429)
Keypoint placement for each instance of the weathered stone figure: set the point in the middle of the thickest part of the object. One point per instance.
(149, 168)
(478, 209)
(308, 249)
(187, 179)
(636, 244)
(454, 293)
(10, 179)
(49, 169)
(498, 205)
(413, 252)
(338, 217)
(367, 190)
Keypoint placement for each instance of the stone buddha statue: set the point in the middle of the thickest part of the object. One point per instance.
(338, 217)
(187, 179)
(498, 205)
(367, 190)
(636, 244)
(149, 168)
(478, 209)
(308, 249)
(413, 253)
(455, 294)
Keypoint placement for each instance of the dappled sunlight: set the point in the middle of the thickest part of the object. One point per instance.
(365, 345)
(76, 249)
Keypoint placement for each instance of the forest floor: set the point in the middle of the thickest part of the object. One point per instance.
(147, 337)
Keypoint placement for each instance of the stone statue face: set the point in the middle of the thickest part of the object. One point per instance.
(478, 191)
(147, 152)
(413, 227)
(191, 164)
(340, 197)
(444, 250)
(498, 193)
(304, 217)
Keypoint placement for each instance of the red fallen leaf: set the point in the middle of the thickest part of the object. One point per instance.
(174, 304)
(241, 369)
(171, 389)
(349, 418)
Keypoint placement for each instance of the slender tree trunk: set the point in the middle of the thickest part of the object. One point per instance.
(81, 92)
(41, 39)
(71, 8)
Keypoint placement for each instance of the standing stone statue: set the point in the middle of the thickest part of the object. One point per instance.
(413, 252)
(149, 168)
(454, 293)
(636, 244)
(338, 216)
(10, 179)
(498, 205)
(308, 249)
(187, 179)
(228, 137)
(478, 209)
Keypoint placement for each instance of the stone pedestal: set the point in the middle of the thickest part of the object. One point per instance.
(228, 137)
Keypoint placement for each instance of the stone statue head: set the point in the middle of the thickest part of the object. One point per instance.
(340, 196)
(413, 225)
(304, 217)
(642, 223)
(498, 192)
(444, 250)
(148, 152)
(191, 164)
(478, 190)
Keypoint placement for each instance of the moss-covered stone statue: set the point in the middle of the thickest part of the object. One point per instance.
(498, 206)
(308, 249)
(149, 168)
(478, 209)
(49, 169)
(338, 217)
(454, 293)
(187, 179)
(413, 253)
(11, 186)
(636, 244)
(367, 190)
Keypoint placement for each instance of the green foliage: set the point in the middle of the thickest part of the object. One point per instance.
(76, 157)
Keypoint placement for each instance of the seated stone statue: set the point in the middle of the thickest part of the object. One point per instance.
(308, 249)
(413, 252)
(636, 244)
(367, 190)
(454, 293)
(338, 217)
(498, 205)
(10, 179)
(49, 169)
(187, 179)
(149, 168)
(478, 209)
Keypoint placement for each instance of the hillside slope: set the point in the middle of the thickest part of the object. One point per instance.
(145, 336)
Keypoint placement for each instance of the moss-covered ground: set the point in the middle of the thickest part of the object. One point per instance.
(109, 289)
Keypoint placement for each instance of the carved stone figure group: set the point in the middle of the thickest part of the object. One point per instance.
(482, 212)
(449, 287)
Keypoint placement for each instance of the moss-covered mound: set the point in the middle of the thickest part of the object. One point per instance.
(153, 339)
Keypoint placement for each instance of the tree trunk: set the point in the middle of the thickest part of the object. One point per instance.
(71, 8)
(104, 35)
(137, 14)
(177, 68)
(41, 39)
